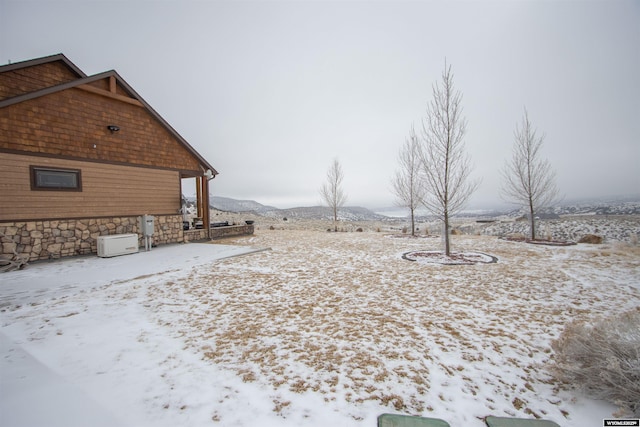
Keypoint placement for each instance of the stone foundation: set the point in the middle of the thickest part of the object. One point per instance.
(195, 235)
(230, 231)
(37, 240)
(41, 240)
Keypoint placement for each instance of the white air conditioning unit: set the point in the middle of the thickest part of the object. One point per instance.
(117, 244)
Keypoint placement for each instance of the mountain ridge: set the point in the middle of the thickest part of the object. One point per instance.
(353, 213)
(628, 205)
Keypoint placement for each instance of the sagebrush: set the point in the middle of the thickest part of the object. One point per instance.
(603, 359)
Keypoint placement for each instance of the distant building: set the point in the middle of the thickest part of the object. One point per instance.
(84, 156)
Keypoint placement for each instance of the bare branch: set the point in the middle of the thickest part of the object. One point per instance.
(408, 185)
(332, 192)
(528, 179)
(445, 165)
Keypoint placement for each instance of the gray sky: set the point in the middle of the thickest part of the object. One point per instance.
(270, 92)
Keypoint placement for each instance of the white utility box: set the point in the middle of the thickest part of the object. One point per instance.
(146, 228)
(146, 225)
(117, 244)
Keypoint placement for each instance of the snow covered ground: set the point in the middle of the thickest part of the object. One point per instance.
(610, 228)
(325, 328)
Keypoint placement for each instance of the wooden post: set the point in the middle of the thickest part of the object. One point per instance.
(199, 196)
(206, 222)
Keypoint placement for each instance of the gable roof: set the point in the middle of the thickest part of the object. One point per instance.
(83, 81)
(44, 60)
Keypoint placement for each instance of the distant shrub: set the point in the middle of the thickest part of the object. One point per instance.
(517, 237)
(603, 359)
(591, 238)
(359, 230)
(404, 230)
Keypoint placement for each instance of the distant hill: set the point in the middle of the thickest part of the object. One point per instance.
(629, 205)
(349, 213)
(232, 205)
(605, 206)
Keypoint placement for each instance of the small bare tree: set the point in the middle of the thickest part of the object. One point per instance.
(332, 192)
(408, 184)
(528, 179)
(445, 165)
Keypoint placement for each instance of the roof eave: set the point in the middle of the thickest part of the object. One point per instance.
(44, 60)
(85, 80)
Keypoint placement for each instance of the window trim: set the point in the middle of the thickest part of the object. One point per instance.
(34, 178)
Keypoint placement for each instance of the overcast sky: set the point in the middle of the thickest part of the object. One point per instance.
(270, 92)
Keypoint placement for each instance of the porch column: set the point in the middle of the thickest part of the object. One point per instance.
(206, 215)
(199, 197)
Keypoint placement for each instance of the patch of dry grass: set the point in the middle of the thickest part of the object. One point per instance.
(341, 314)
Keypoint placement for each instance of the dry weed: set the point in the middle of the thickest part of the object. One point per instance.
(603, 358)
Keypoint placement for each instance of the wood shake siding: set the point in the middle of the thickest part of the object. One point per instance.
(107, 190)
(30, 79)
(73, 123)
(67, 179)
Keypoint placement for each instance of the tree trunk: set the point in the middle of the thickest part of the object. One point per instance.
(532, 222)
(413, 224)
(447, 249)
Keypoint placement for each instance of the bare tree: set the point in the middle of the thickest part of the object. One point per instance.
(408, 184)
(529, 179)
(332, 192)
(445, 165)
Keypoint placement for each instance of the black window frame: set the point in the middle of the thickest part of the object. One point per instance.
(35, 186)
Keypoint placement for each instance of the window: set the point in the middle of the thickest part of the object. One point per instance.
(45, 178)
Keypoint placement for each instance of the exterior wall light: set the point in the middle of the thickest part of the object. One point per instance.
(113, 128)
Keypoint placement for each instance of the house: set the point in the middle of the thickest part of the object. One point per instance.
(85, 156)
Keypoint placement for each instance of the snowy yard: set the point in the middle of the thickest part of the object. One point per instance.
(326, 329)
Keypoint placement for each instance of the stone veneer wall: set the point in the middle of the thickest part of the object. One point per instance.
(36, 240)
(194, 235)
(231, 230)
